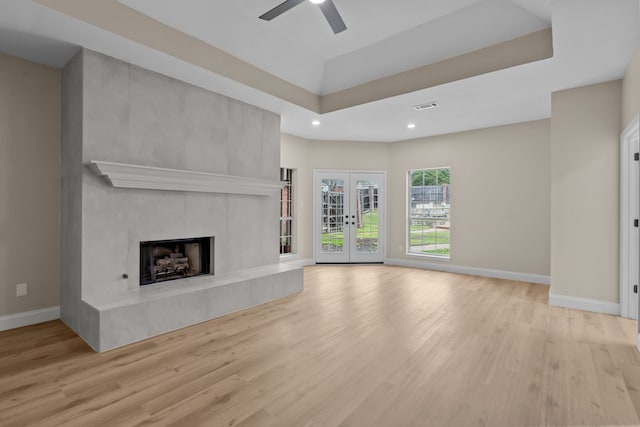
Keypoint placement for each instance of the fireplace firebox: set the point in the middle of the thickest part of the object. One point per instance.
(163, 260)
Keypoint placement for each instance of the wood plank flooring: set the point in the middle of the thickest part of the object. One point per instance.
(361, 346)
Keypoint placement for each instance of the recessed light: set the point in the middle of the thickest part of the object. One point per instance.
(316, 122)
(411, 125)
(316, 1)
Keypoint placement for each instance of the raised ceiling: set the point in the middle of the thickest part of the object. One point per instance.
(362, 82)
(383, 37)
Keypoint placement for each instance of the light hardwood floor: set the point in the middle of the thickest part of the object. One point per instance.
(361, 346)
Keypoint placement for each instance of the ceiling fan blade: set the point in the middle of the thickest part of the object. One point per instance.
(280, 9)
(333, 16)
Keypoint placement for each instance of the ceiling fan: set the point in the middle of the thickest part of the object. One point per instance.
(328, 9)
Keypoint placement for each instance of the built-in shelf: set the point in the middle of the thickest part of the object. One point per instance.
(121, 175)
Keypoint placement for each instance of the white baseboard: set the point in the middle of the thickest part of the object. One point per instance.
(638, 343)
(298, 262)
(584, 304)
(475, 271)
(27, 318)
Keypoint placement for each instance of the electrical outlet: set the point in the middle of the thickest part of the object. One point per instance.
(21, 289)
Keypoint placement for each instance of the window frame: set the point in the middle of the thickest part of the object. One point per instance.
(441, 257)
(291, 218)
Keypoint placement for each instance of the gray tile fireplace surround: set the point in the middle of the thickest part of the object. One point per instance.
(180, 162)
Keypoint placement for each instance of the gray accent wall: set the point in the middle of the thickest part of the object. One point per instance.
(118, 112)
(71, 196)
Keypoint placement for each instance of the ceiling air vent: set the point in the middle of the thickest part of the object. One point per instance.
(427, 106)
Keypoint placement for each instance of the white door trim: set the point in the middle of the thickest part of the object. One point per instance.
(627, 254)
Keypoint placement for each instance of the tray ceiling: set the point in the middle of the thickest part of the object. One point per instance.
(295, 66)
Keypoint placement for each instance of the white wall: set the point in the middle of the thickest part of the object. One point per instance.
(499, 196)
(305, 156)
(294, 155)
(585, 130)
(507, 229)
(631, 90)
(29, 185)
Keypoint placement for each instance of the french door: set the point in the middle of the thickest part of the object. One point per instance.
(348, 216)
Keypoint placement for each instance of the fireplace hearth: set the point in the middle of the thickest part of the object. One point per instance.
(163, 260)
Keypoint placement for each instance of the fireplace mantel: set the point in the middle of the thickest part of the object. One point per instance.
(122, 175)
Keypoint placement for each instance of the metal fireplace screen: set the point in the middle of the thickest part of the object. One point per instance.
(163, 260)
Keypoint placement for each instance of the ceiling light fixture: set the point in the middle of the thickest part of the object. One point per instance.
(316, 1)
(316, 122)
(411, 125)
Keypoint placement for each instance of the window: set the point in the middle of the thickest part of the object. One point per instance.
(286, 211)
(429, 212)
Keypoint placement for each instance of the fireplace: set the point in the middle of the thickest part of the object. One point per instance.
(163, 260)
